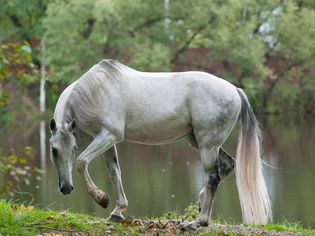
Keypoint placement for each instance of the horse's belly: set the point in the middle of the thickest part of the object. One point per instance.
(157, 132)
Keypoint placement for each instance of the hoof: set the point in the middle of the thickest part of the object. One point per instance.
(115, 218)
(190, 226)
(203, 224)
(103, 199)
(194, 225)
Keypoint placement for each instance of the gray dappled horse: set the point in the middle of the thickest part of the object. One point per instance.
(112, 102)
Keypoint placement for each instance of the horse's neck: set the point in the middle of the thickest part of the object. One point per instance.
(63, 112)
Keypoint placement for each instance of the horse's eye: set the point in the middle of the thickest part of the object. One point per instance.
(75, 148)
(54, 152)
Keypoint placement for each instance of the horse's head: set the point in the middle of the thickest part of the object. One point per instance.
(62, 150)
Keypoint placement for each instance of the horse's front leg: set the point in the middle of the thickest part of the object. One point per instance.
(102, 142)
(112, 163)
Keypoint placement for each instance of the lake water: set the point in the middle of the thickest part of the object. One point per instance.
(159, 179)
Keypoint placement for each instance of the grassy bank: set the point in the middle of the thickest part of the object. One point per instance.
(18, 219)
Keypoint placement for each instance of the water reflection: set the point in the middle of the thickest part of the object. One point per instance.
(158, 179)
(42, 138)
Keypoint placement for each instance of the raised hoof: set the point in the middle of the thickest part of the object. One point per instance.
(103, 200)
(115, 218)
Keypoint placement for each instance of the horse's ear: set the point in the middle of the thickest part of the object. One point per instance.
(72, 125)
(52, 125)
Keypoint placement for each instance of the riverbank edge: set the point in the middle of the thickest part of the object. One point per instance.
(19, 219)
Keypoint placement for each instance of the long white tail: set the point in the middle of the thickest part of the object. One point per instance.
(252, 190)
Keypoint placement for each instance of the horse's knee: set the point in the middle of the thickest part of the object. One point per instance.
(81, 165)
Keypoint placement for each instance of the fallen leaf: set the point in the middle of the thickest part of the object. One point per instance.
(50, 218)
(22, 207)
(155, 232)
(30, 207)
(13, 209)
(95, 234)
(64, 213)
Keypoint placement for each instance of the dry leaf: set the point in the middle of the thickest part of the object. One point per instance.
(22, 207)
(95, 234)
(50, 218)
(30, 207)
(13, 209)
(64, 213)
(155, 232)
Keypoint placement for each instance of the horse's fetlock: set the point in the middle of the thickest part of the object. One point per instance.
(122, 204)
(101, 198)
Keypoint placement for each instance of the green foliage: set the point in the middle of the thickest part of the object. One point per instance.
(80, 33)
(15, 170)
(295, 33)
(15, 65)
(261, 45)
(21, 19)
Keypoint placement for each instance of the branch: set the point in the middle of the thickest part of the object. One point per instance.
(188, 42)
(204, 68)
(284, 73)
(16, 22)
(147, 23)
(87, 32)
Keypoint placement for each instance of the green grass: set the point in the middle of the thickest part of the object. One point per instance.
(18, 219)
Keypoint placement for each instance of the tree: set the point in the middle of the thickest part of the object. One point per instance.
(80, 33)
(15, 66)
(264, 47)
(22, 21)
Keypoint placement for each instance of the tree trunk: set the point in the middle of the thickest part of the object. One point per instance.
(42, 106)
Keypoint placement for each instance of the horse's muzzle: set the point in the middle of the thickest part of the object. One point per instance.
(66, 188)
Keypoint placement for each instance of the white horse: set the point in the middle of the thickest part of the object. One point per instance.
(113, 102)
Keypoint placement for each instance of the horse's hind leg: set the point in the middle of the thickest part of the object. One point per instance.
(224, 165)
(209, 158)
(111, 158)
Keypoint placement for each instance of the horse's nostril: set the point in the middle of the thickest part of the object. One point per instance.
(62, 189)
(66, 189)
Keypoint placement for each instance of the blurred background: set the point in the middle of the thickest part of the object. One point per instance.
(265, 47)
